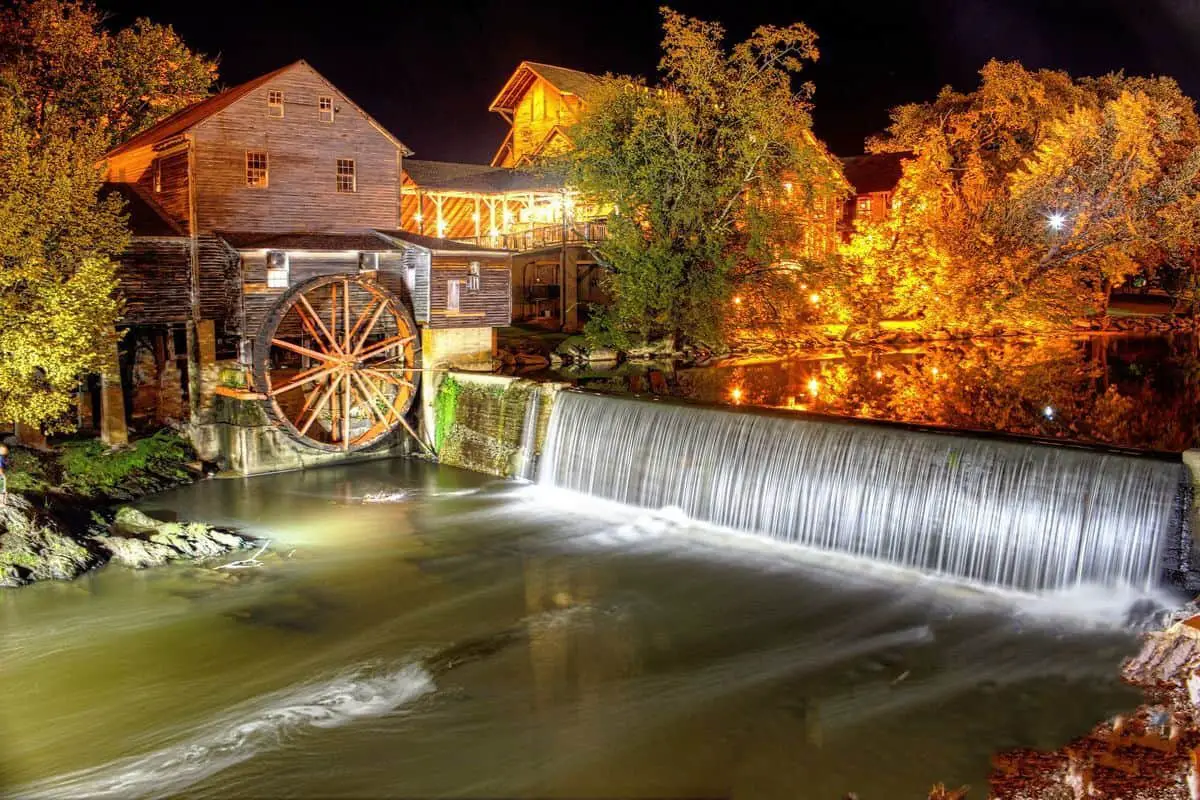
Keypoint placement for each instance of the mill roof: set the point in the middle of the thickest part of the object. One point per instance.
(569, 81)
(481, 178)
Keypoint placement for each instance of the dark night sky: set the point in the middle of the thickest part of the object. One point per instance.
(428, 70)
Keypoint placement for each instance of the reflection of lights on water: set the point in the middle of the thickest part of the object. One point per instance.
(1048, 412)
(736, 394)
(813, 386)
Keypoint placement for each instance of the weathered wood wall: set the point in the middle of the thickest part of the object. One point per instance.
(489, 306)
(302, 151)
(155, 280)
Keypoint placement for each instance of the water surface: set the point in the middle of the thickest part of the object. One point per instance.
(620, 653)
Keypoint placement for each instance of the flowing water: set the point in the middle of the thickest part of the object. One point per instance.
(484, 640)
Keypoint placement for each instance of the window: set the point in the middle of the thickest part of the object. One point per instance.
(345, 175)
(368, 262)
(277, 269)
(158, 175)
(274, 103)
(454, 295)
(864, 206)
(325, 108)
(256, 170)
(473, 277)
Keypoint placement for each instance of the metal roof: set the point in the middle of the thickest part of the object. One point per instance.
(435, 245)
(302, 240)
(568, 81)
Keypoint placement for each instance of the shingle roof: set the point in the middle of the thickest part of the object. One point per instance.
(878, 172)
(483, 178)
(571, 81)
(182, 121)
(333, 242)
(146, 217)
(440, 245)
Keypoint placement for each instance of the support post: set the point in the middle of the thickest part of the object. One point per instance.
(113, 430)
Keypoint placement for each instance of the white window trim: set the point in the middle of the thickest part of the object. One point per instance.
(322, 111)
(453, 295)
(337, 176)
(271, 106)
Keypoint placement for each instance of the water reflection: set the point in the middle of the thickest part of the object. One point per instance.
(1141, 392)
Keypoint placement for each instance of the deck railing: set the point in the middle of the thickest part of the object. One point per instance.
(545, 236)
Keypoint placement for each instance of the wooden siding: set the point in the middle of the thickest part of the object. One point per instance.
(220, 284)
(155, 281)
(490, 306)
(542, 109)
(302, 152)
(417, 263)
(175, 196)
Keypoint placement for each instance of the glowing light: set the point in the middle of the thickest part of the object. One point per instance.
(419, 216)
(1048, 412)
(813, 386)
(1056, 221)
(494, 233)
(441, 228)
(814, 298)
(737, 301)
(878, 374)
(935, 371)
(736, 394)
(804, 286)
(787, 187)
(475, 216)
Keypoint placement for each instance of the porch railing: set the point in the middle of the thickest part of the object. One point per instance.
(544, 236)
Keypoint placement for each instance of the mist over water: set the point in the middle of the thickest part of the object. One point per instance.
(595, 650)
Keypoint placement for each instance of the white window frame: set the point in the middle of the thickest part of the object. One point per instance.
(338, 175)
(275, 103)
(278, 277)
(325, 108)
(473, 276)
(266, 169)
(454, 296)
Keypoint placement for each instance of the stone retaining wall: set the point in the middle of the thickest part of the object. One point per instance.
(488, 423)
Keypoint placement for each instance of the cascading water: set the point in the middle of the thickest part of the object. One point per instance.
(1010, 514)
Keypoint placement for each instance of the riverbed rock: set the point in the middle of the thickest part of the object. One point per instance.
(139, 541)
(33, 547)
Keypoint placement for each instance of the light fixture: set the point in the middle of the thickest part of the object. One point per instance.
(737, 301)
(814, 298)
(736, 394)
(1056, 221)
(1048, 412)
(813, 386)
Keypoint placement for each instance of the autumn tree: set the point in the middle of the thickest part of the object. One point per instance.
(1028, 199)
(69, 90)
(711, 172)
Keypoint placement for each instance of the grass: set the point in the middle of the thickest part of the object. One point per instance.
(90, 469)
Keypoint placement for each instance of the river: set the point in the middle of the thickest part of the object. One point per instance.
(610, 652)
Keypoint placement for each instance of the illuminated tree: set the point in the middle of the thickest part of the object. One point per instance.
(712, 174)
(1027, 200)
(69, 90)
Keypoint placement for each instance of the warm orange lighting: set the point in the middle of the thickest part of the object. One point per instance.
(736, 394)
(737, 301)
(878, 374)
(803, 286)
(813, 386)
(814, 298)
(935, 371)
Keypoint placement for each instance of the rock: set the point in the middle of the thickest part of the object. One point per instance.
(136, 553)
(556, 360)
(528, 360)
(33, 547)
(602, 355)
(141, 541)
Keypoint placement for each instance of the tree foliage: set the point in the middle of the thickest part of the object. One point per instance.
(69, 89)
(712, 174)
(1027, 200)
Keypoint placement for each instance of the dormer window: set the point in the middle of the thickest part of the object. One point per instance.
(325, 108)
(274, 103)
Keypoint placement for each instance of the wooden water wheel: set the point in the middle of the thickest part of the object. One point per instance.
(338, 359)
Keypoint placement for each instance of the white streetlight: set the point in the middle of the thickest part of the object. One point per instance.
(1056, 221)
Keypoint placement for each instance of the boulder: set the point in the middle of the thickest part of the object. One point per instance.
(34, 548)
(136, 553)
(139, 540)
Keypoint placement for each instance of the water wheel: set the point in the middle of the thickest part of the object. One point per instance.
(338, 359)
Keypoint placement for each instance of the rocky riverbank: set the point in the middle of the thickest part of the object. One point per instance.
(1153, 752)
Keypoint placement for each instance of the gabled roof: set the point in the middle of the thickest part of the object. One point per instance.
(182, 121)
(438, 246)
(146, 217)
(449, 176)
(878, 172)
(567, 81)
(327, 242)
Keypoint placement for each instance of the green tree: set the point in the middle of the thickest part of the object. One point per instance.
(712, 173)
(69, 90)
(1028, 199)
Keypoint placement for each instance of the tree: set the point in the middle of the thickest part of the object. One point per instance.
(1028, 199)
(74, 74)
(712, 175)
(69, 90)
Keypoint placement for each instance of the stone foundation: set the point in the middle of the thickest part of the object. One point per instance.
(488, 423)
(241, 440)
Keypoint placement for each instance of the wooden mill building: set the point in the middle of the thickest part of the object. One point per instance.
(270, 267)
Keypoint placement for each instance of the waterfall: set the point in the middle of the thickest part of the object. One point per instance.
(1026, 516)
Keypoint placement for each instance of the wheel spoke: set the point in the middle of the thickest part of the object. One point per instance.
(385, 344)
(346, 313)
(346, 412)
(320, 406)
(358, 323)
(317, 318)
(370, 401)
(324, 358)
(390, 379)
(362, 340)
(316, 373)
